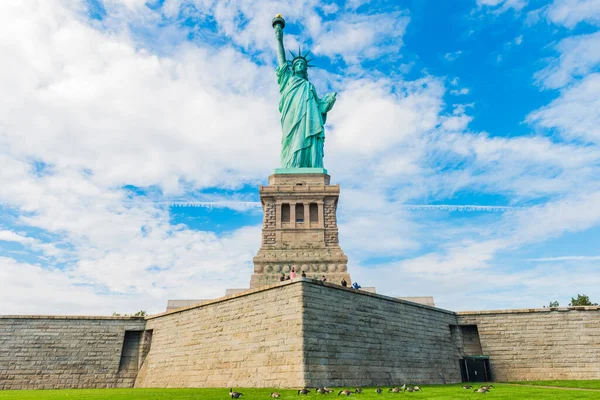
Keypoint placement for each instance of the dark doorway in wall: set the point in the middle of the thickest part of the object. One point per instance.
(130, 352)
(475, 369)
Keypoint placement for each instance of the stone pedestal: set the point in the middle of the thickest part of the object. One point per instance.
(299, 230)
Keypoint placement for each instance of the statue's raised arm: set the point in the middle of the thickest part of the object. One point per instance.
(303, 114)
(278, 25)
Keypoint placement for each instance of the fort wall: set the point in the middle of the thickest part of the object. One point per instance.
(364, 339)
(295, 334)
(539, 344)
(44, 352)
(253, 339)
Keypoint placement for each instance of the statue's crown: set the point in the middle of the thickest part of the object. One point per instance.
(301, 56)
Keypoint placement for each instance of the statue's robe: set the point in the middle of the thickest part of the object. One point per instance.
(302, 121)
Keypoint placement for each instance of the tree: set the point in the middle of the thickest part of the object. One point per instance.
(553, 304)
(581, 300)
(140, 313)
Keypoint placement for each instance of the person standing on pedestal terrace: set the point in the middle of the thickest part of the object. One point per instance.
(293, 274)
(303, 114)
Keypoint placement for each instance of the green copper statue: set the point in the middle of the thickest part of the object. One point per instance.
(303, 114)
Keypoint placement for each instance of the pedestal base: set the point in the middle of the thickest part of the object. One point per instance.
(270, 264)
(299, 228)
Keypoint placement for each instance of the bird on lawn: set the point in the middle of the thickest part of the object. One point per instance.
(481, 390)
(378, 390)
(403, 387)
(358, 391)
(395, 390)
(345, 392)
(275, 395)
(303, 391)
(234, 395)
(409, 389)
(467, 387)
(417, 389)
(488, 387)
(322, 391)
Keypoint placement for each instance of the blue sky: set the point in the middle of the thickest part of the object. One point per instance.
(134, 135)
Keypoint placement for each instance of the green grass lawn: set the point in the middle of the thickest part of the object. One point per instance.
(440, 392)
(569, 384)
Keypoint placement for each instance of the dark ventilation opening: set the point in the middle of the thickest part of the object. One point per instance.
(131, 352)
(285, 212)
(299, 212)
(314, 212)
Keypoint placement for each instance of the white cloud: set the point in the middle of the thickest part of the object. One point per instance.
(453, 56)
(466, 268)
(567, 258)
(578, 57)
(575, 113)
(358, 37)
(523, 167)
(351, 36)
(500, 6)
(460, 92)
(571, 12)
(10, 236)
(518, 40)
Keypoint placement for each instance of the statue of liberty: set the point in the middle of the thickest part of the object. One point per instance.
(303, 114)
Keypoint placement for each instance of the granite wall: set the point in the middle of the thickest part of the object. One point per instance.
(253, 339)
(354, 338)
(296, 334)
(44, 352)
(539, 344)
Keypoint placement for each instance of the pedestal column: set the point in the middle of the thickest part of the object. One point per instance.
(312, 248)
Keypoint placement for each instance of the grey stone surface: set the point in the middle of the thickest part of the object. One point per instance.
(251, 339)
(539, 344)
(295, 334)
(359, 338)
(43, 352)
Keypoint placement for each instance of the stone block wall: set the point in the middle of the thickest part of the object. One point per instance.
(253, 339)
(363, 339)
(44, 352)
(539, 344)
(295, 334)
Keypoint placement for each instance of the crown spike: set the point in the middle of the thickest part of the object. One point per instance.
(293, 55)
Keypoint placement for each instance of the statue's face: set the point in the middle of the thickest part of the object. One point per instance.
(300, 66)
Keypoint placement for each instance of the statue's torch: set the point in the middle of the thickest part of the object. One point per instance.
(278, 20)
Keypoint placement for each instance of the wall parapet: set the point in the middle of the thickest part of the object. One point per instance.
(74, 317)
(530, 310)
